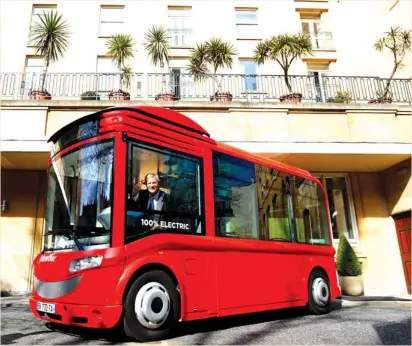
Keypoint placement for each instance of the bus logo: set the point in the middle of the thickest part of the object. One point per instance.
(47, 258)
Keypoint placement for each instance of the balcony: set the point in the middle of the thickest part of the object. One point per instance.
(243, 88)
(180, 37)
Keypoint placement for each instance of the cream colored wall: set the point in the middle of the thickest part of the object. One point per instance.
(397, 183)
(355, 26)
(20, 226)
(378, 246)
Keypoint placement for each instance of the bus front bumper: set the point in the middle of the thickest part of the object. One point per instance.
(90, 316)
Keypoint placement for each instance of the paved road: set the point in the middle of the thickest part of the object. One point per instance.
(366, 323)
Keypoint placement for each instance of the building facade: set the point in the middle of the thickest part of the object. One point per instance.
(359, 148)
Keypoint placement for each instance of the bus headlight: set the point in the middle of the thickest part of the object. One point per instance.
(84, 263)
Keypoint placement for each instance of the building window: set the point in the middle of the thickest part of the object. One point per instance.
(249, 70)
(341, 208)
(108, 75)
(33, 73)
(180, 25)
(35, 18)
(111, 20)
(246, 24)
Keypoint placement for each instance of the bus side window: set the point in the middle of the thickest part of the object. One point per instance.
(235, 195)
(310, 213)
(275, 205)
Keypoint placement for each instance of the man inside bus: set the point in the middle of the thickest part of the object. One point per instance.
(152, 198)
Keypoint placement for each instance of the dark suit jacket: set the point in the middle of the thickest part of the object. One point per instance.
(143, 198)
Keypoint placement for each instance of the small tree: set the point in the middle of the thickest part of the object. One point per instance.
(284, 49)
(51, 39)
(347, 262)
(217, 53)
(158, 49)
(399, 42)
(120, 48)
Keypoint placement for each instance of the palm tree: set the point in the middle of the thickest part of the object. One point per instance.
(217, 53)
(158, 49)
(284, 49)
(51, 39)
(120, 48)
(399, 42)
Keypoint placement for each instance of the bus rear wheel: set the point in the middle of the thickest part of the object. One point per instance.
(151, 307)
(319, 293)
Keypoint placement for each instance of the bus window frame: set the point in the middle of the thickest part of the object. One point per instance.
(287, 172)
(135, 140)
(78, 145)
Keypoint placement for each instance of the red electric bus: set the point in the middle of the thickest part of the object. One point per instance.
(150, 222)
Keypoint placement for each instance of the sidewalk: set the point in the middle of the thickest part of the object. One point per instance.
(344, 301)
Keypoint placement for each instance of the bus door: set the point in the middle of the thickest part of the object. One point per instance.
(165, 203)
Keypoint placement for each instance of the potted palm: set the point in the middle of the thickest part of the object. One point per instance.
(158, 49)
(120, 48)
(218, 54)
(349, 268)
(284, 49)
(398, 42)
(51, 39)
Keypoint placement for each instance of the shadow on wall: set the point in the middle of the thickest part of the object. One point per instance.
(21, 226)
(397, 184)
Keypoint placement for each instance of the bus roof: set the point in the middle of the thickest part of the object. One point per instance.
(182, 121)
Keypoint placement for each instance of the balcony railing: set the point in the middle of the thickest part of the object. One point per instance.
(247, 88)
(180, 37)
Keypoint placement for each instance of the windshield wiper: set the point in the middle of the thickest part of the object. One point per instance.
(72, 232)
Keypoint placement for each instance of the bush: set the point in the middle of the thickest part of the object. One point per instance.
(347, 262)
(90, 95)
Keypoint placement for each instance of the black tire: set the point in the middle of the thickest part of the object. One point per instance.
(319, 293)
(135, 329)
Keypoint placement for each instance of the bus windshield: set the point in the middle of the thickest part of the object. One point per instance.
(79, 198)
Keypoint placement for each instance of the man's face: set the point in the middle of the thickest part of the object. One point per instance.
(152, 184)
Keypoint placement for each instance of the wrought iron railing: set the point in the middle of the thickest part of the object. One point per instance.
(248, 88)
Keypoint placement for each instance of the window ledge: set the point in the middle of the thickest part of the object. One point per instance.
(248, 39)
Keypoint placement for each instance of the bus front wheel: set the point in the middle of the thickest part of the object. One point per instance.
(319, 293)
(151, 307)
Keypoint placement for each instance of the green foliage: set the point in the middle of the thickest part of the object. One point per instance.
(398, 41)
(90, 95)
(50, 38)
(120, 48)
(341, 97)
(284, 49)
(157, 45)
(216, 52)
(347, 262)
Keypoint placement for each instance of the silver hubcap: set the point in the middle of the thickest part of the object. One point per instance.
(152, 305)
(320, 292)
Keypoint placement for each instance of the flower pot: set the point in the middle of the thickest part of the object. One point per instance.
(351, 285)
(168, 96)
(39, 95)
(221, 97)
(119, 95)
(294, 97)
(387, 100)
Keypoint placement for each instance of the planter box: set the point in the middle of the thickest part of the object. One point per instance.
(222, 97)
(295, 97)
(351, 285)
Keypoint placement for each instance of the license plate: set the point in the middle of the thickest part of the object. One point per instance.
(45, 307)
